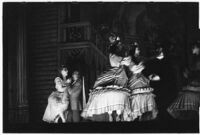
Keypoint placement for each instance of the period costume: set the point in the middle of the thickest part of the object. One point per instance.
(142, 98)
(186, 105)
(57, 103)
(109, 93)
(75, 104)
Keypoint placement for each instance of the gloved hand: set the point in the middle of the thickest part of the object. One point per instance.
(154, 77)
(137, 68)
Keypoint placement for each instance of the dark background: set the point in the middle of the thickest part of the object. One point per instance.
(39, 37)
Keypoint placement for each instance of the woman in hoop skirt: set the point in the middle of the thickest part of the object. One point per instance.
(143, 105)
(186, 105)
(58, 101)
(109, 92)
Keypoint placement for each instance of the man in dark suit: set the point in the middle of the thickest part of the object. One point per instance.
(75, 93)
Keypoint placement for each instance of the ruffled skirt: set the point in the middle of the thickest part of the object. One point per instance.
(107, 100)
(185, 106)
(54, 108)
(142, 104)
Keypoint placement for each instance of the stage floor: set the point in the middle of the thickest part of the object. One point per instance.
(170, 126)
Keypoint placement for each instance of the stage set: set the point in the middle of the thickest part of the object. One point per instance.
(101, 67)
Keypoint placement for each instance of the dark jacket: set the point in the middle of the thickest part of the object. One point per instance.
(75, 94)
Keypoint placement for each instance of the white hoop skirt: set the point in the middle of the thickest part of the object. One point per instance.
(54, 107)
(143, 103)
(107, 99)
(185, 106)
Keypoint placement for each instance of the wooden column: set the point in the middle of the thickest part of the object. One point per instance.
(22, 100)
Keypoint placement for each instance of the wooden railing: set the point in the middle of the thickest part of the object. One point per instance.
(82, 32)
(84, 44)
(75, 32)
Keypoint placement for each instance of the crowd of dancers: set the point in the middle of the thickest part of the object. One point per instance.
(122, 92)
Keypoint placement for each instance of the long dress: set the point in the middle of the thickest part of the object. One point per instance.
(109, 93)
(57, 102)
(186, 105)
(142, 98)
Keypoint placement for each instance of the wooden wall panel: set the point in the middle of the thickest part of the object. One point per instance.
(42, 41)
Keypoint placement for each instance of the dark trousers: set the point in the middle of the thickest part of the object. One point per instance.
(76, 115)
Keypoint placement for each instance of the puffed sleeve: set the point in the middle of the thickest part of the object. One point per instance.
(58, 82)
(104, 79)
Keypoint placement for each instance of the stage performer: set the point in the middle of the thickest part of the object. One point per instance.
(109, 93)
(186, 105)
(143, 105)
(75, 94)
(58, 101)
